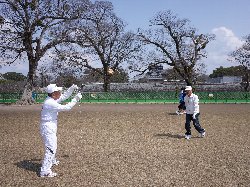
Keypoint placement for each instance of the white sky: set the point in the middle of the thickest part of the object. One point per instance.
(229, 20)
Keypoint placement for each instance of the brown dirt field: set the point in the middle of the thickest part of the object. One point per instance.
(128, 145)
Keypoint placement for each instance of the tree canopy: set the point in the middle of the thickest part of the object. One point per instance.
(14, 76)
(29, 29)
(227, 71)
(104, 43)
(176, 44)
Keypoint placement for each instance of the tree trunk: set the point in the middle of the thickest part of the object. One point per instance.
(189, 81)
(27, 98)
(106, 83)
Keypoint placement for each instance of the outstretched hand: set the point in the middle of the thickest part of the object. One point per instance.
(78, 96)
(75, 86)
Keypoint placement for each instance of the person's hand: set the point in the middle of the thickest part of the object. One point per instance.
(78, 96)
(75, 86)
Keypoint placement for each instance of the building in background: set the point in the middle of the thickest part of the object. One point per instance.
(155, 74)
(225, 79)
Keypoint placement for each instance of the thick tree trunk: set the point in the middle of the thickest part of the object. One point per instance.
(27, 98)
(106, 78)
(189, 81)
(106, 83)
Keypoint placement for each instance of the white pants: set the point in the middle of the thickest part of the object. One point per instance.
(48, 132)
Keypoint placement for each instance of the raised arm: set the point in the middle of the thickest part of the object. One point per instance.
(67, 94)
(57, 106)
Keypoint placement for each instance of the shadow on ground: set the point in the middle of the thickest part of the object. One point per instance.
(30, 165)
(172, 114)
(169, 135)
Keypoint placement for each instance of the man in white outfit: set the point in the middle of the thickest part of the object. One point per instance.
(192, 113)
(48, 125)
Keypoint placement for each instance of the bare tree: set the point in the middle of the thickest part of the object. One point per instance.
(29, 29)
(242, 57)
(176, 44)
(102, 38)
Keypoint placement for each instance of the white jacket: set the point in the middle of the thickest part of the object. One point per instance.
(51, 107)
(192, 104)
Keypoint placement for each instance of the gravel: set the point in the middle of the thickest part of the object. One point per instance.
(128, 145)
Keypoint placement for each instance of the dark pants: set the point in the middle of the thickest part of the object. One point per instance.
(196, 123)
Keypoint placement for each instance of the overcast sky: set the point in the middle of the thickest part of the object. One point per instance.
(229, 20)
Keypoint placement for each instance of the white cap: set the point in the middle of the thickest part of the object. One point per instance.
(53, 88)
(188, 88)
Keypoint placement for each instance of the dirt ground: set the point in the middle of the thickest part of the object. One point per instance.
(128, 145)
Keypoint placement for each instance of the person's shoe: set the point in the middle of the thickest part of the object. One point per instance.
(51, 174)
(187, 137)
(203, 134)
(56, 163)
(177, 112)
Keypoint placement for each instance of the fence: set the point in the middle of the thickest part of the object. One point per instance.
(140, 97)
